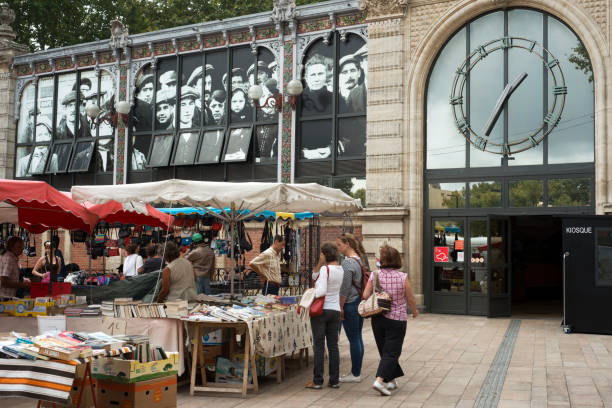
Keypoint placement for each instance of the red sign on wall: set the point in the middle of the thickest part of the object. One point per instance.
(440, 254)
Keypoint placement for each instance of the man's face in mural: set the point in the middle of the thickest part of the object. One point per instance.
(207, 89)
(349, 75)
(164, 113)
(316, 75)
(187, 110)
(216, 108)
(167, 80)
(70, 109)
(262, 76)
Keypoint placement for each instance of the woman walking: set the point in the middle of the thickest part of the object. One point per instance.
(390, 328)
(350, 296)
(328, 276)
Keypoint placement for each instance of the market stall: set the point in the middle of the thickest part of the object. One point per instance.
(235, 203)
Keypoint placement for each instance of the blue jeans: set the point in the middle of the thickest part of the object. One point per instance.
(270, 288)
(353, 325)
(203, 285)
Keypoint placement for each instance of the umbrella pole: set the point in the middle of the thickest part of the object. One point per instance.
(232, 226)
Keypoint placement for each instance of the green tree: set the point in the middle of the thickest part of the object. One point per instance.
(582, 62)
(526, 193)
(485, 195)
(569, 192)
(44, 24)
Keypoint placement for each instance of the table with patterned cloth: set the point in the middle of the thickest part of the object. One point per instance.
(281, 333)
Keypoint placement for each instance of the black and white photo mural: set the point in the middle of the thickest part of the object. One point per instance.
(27, 113)
(82, 156)
(333, 103)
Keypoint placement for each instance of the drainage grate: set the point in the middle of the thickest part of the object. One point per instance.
(489, 394)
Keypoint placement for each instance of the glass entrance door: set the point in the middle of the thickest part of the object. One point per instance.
(499, 267)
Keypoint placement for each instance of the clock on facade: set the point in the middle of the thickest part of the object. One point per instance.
(479, 138)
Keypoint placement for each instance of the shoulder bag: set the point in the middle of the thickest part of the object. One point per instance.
(378, 303)
(316, 308)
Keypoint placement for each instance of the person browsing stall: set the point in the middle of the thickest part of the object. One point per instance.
(329, 275)
(202, 258)
(267, 265)
(132, 262)
(390, 328)
(9, 269)
(178, 278)
(48, 267)
(350, 296)
(153, 262)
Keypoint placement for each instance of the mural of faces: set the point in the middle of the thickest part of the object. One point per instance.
(66, 124)
(46, 90)
(39, 159)
(27, 112)
(106, 101)
(319, 82)
(143, 104)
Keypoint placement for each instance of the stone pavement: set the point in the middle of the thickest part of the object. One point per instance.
(446, 359)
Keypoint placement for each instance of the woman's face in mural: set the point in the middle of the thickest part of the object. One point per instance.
(316, 76)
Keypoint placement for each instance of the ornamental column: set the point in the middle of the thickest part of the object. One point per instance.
(386, 220)
(8, 50)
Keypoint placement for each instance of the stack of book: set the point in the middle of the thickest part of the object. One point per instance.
(140, 310)
(91, 310)
(177, 309)
(108, 308)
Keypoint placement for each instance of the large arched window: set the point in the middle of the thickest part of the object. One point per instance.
(193, 118)
(510, 106)
(331, 130)
(54, 133)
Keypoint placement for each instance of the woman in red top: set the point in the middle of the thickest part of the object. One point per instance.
(390, 328)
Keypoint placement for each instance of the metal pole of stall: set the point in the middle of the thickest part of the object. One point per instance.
(232, 223)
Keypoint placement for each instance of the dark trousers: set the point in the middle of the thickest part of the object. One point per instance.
(353, 325)
(270, 288)
(326, 326)
(389, 335)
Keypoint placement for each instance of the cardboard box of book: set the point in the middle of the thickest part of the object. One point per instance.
(155, 393)
(129, 371)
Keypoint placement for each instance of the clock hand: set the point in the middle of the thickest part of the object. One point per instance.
(505, 95)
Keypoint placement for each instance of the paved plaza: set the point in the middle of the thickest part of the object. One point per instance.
(446, 359)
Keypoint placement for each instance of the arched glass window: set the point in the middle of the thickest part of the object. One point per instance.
(481, 66)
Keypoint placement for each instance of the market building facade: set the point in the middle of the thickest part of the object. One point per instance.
(471, 124)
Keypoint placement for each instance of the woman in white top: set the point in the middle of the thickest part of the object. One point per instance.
(132, 262)
(328, 282)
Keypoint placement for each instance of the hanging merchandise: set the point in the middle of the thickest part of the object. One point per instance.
(289, 235)
(265, 237)
(125, 231)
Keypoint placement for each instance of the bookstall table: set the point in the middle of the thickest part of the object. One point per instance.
(197, 359)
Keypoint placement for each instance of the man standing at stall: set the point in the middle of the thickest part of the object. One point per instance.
(202, 258)
(9, 269)
(267, 265)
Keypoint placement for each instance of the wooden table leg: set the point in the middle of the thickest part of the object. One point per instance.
(245, 372)
(253, 368)
(194, 357)
(202, 363)
(279, 372)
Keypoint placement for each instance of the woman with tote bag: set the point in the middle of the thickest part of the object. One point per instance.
(325, 324)
(390, 328)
